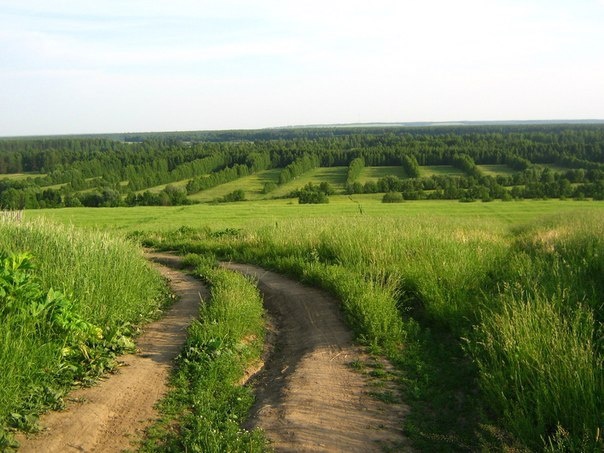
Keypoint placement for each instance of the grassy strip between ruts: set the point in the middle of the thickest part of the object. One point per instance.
(70, 301)
(501, 328)
(207, 403)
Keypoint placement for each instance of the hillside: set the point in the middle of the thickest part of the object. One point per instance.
(447, 162)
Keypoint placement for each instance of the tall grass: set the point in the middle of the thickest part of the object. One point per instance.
(67, 307)
(207, 403)
(106, 275)
(525, 302)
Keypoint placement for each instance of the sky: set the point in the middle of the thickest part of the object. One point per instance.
(69, 67)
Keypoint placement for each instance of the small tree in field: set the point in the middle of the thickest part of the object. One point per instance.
(311, 194)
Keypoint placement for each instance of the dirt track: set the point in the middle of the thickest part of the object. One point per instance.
(308, 397)
(110, 416)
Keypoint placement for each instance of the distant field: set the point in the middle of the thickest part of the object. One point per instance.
(252, 186)
(496, 170)
(375, 173)
(157, 189)
(439, 170)
(262, 212)
(336, 176)
(19, 176)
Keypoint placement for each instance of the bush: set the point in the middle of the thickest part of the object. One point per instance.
(236, 195)
(392, 197)
(311, 194)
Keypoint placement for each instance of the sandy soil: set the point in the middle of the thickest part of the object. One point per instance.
(112, 415)
(308, 396)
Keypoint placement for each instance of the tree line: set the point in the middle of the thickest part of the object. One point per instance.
(93, 171)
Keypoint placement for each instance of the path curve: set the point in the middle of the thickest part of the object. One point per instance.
(307, 396)
(111, 415)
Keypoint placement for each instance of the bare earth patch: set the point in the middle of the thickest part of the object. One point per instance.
(308, 396)
(112, 415)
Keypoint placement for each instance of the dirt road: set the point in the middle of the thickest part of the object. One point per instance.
(308, 397)
(110, 416)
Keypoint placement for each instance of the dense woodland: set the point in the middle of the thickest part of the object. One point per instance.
(117, 170)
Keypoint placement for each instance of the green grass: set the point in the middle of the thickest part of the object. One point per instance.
(207, 405)
(72, 312)
(439, 170)
(496, 170)
(267, 212)
(497, 318)
(252, 186)
(335, 176)
(20, 176)
(375, 173)
(157, 189)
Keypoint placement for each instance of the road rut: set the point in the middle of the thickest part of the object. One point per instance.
(308, 396)
(110, 416)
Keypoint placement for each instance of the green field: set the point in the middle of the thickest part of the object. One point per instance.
(252, 186)
(263, 212)
(335, 176)
(483, 288)
(500, 296)
(375, 173)
(496, 170)
(20, 176)
(554, 167)
(157, 189)
(439, 170)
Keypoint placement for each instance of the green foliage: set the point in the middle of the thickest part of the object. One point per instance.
(354, 170)
(214, 179)
(207, 403)
(236, 195)
(299, 167)
(392, 197)
(67, 308)
(409, 163)
(268, 187)
(546, 161)
(524, 303)
(311, 194)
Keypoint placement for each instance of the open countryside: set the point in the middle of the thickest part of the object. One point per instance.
(465, 263)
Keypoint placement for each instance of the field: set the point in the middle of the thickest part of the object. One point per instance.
(440, 170)
(20, 176)
(496, 170)
(457, 272)
(375, 173)
(252, 186)
(267, 212)
(476, 297)
(485, 289)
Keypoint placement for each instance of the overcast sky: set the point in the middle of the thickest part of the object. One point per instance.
(116, 65)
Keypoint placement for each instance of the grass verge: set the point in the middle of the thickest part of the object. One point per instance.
(207, 405)
(70, 302)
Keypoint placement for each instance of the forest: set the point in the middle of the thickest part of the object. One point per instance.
(540, 161)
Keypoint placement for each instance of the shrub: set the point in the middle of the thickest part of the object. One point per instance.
(392, 197)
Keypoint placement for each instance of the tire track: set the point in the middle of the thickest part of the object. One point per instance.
(112, 415)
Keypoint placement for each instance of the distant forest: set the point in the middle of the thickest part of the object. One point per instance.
(118, 170)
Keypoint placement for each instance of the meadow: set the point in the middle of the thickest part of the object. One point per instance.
(490, 310)
(514, 298)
